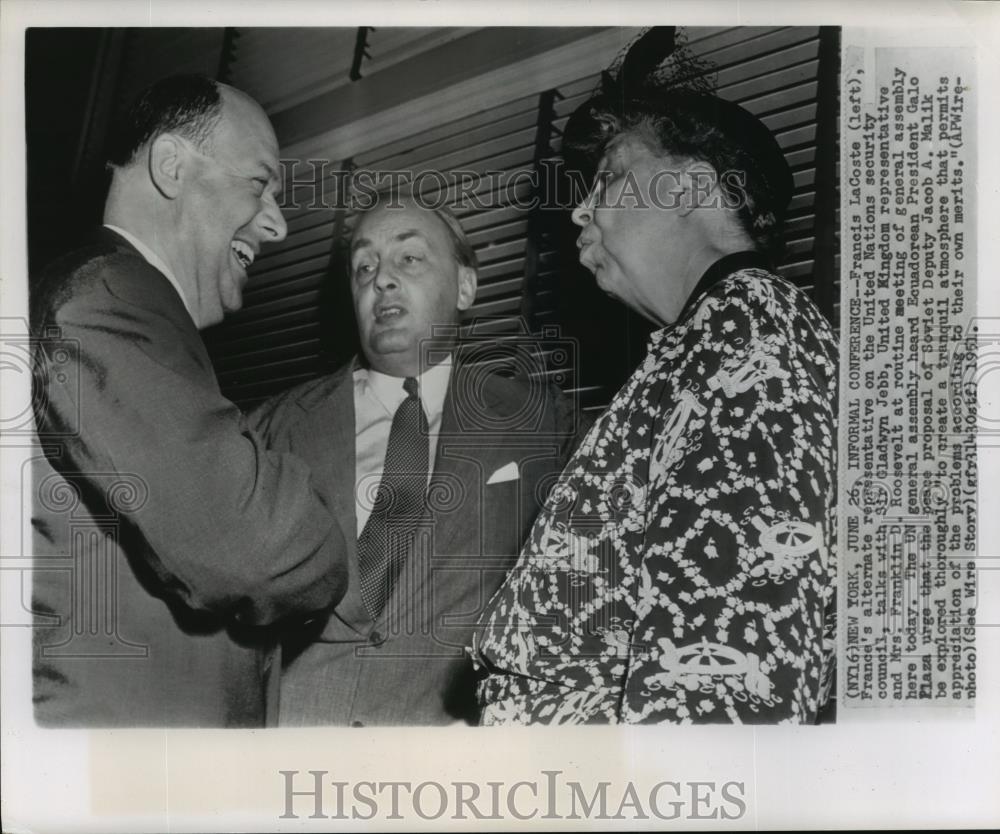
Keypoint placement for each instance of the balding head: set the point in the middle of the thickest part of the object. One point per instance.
(196, 178)
(186, 105)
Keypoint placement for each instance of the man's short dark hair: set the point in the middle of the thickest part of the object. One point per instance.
(461, 247)
(697, 126)
(188, 105)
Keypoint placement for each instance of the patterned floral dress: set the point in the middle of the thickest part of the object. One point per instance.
(683, 568)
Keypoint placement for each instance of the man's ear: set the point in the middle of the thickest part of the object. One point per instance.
(167, 165)
(467, 283)
(700, 182)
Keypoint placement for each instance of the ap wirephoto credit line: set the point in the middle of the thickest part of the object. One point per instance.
(909, 427)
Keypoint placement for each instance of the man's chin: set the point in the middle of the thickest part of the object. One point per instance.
(389, 350)
(387, 339)
(232, 305)
(231, 299)
(225, 307)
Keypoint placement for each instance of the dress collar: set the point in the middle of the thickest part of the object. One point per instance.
(723, 268)
(718, 271)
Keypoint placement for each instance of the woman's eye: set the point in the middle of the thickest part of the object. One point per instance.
(410, 258)
(362, 270)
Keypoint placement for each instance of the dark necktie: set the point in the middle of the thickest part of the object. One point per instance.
(388, 536)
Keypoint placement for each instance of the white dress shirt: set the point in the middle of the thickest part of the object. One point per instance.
(376, 398)
(156, 262)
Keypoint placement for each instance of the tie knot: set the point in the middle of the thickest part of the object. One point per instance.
(410, 386)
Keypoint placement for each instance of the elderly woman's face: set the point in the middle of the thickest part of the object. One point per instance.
(630, 228)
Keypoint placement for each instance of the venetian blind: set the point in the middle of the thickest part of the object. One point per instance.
(295, 323)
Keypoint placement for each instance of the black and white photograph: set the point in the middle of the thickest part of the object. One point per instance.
(432, 418)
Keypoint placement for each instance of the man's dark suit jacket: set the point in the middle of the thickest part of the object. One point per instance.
(163, 528)
(410, 665)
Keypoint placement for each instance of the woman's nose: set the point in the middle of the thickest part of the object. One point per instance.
(582, 214)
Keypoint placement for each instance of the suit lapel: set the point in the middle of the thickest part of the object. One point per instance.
(463, 461)
(342, 460)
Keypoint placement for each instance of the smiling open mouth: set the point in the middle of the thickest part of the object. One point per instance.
(243, 252)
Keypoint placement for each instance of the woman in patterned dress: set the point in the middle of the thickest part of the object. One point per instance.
(683, 568)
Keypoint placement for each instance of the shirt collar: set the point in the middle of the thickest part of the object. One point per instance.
(154, 261)
(432, 385)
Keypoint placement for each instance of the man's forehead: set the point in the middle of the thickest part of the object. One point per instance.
(399, 222)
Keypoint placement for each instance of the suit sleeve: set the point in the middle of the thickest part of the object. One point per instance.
(268, 420)
(230, 526)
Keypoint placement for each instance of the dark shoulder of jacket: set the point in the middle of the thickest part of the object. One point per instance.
(278, 413)
(556, 409)
(57, 282)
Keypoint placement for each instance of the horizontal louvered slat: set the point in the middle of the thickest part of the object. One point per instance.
(503, 269)
(256, 295)
(709, 40)
(283, 67)
(494, 289)
(388, 46)
(274, 308)
(473, 220)
(510, 306)
(295, 270)
(254, 387)
(503, 231)
(496, 252)
(302, 251)
(276, 368)
(510, 327)
(261, 355)
(776, 89)
(780, 69)
(235, 342)
(442, 133)
(760, 54)
(244, 325)
(799, 225)
(470, 143)
(320, 229)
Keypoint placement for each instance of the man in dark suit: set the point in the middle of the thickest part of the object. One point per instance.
(165, 531)
(439, 465)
